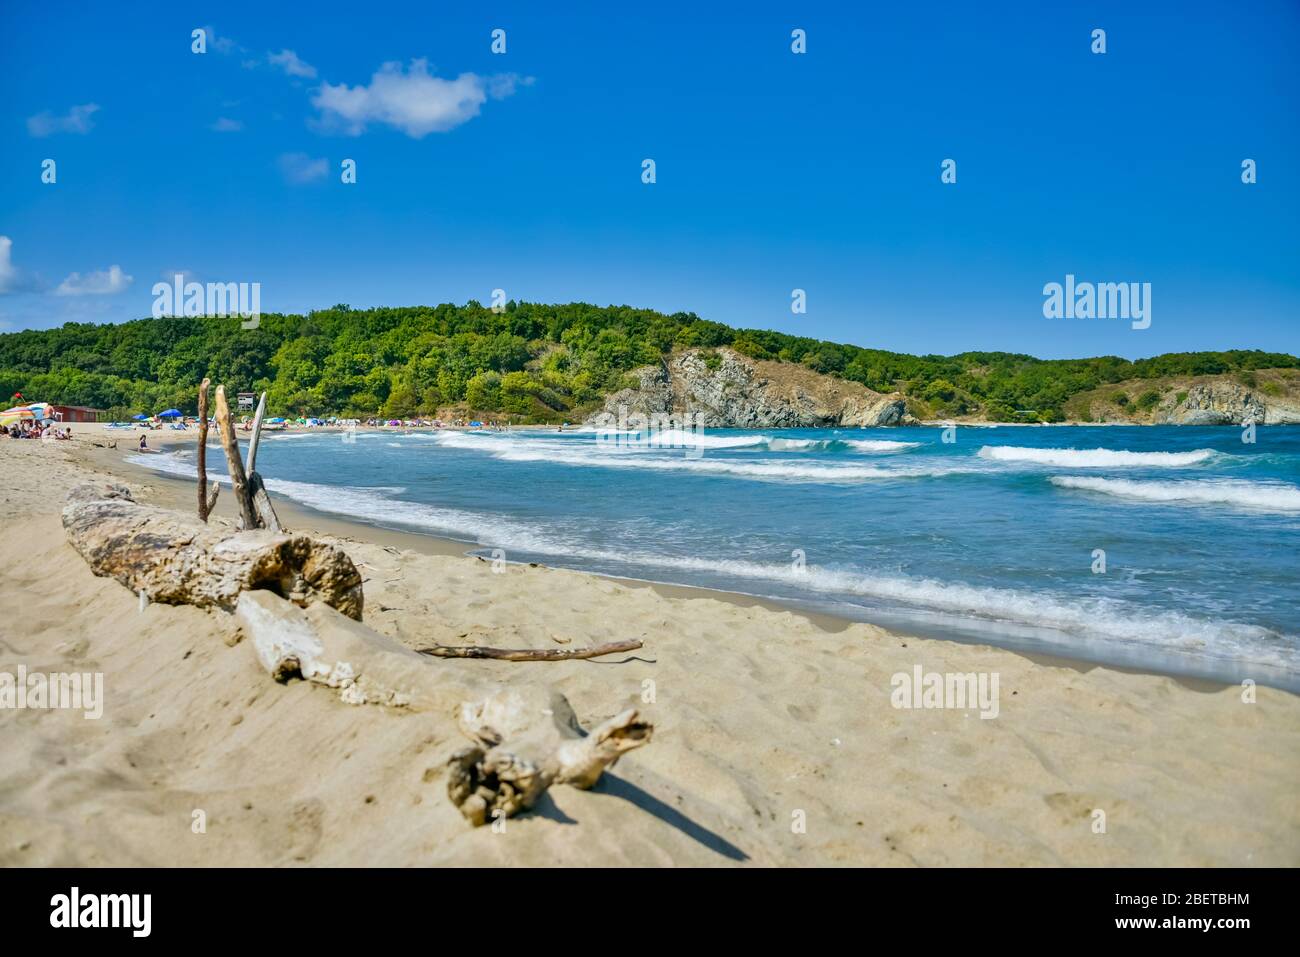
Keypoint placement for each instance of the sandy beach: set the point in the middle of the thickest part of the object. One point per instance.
(776, 741)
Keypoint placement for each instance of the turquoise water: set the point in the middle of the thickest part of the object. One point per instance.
(988, 538)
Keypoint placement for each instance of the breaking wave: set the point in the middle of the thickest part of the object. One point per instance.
(1264, 495)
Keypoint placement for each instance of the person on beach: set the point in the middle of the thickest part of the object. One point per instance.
(144, 444)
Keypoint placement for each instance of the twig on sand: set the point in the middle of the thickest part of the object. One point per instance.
(529, 654)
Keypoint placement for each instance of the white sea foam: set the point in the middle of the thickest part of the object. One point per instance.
(1274, 497)
(680, 438)
(880, 445)
(625, 457)
(1098, 618)
(1095, 458)
(781, 444)
(1106, 619)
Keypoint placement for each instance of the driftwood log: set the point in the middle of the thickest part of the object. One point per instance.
(299, 602)
(524, 739)
(175, 559)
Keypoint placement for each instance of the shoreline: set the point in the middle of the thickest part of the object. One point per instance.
(348, 528)
(180, 493)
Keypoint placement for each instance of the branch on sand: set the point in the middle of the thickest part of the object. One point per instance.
(529, 654)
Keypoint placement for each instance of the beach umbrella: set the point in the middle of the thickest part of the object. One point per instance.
(140, 417)
(277, 420)
(170, 413)
(10, 416)
(37, 410)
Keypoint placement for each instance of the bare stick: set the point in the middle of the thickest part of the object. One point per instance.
(528, 654)
(257, 435)
(204, 508)
(212, 496)
(238, 480)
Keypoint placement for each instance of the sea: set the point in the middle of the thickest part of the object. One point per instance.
(1171, 549)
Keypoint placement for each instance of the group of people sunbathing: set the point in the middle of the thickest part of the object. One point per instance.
(35, 430)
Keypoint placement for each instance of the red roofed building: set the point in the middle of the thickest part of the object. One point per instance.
(75, 413)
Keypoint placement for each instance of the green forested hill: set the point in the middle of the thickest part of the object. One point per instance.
(534, 361)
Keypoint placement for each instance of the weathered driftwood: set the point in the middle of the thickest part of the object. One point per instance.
(256, 437)
(176, 559)
(529, 654)
(527, 740)
(255, 508)
(234, 464)
(266, 516)
(524, 739)
(201, 464)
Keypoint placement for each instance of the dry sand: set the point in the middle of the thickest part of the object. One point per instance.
(763, 716)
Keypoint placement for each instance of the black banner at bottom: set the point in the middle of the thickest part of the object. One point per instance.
(335, 905)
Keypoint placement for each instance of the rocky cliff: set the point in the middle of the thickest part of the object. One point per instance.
(1266, 397)
(724, 389)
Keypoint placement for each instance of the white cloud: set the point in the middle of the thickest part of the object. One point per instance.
(226, 125)
(414, 101)
(77, 120)
(103, 282)
(8, 274)
(13, 279)
(300, 168)
(288, 61)
(223, 45)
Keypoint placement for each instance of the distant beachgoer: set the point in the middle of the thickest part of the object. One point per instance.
(144, 445)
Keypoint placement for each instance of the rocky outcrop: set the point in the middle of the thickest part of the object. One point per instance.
(1262, 396)
(723, 389)
(1225, 403)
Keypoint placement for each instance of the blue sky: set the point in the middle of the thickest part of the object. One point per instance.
(775, 171)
